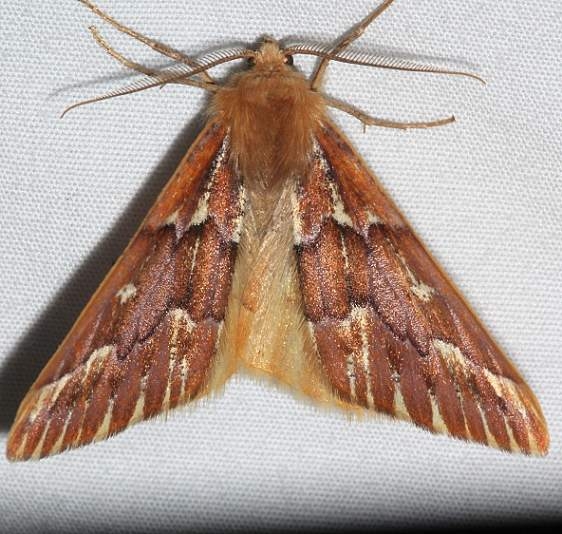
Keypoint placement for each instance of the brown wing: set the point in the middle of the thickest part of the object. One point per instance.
(392, 332)
(146, 340)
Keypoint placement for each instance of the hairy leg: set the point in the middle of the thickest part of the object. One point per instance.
(208, 86)
(155, 45)
(367, 120)
(346, 40)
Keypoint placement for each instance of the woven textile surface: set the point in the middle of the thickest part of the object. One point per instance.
(485, 194)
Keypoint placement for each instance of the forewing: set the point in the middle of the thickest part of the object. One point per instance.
(145, 341)
(392, 332)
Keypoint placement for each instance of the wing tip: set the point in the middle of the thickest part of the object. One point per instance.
(11, 452)
(542, 441)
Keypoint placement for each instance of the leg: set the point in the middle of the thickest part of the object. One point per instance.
(158, 47)
(210, 86)
(367, 120)
(116, 55)
(346, 40)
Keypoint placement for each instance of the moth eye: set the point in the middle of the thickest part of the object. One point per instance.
(288, 60)
(251, 61)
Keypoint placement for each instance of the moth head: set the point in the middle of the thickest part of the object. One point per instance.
(270, 55)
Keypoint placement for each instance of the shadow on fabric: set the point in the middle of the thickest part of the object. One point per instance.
(24, 363)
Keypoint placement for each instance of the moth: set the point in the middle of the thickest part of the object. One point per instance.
(274, 248)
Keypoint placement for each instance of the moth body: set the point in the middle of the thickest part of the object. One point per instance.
(272, 114)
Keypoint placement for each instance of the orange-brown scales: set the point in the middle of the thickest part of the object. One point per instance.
(272, 114)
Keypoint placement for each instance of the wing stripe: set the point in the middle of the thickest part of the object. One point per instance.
(157, 375)
(447, 395)
(413, 386)
(363, 320)
(331, 270)
(381, 372)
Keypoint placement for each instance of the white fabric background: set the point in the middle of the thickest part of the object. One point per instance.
(484, 193)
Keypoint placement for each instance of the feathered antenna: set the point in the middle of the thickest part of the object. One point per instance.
(355, 57)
